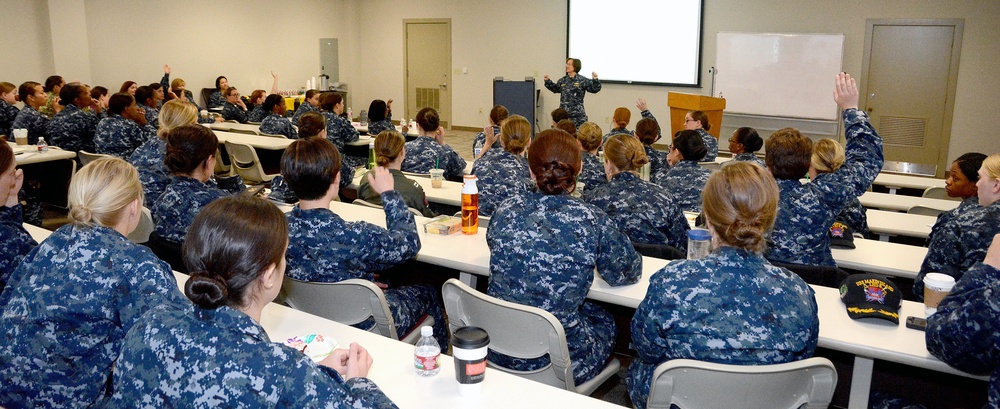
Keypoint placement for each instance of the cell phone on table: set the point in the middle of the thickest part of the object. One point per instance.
(916, 323)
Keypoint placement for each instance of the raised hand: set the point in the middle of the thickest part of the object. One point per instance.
(641, 104)
(166, 69)
(846, 91)
(381, 180)
(593, 74)
(546, 78)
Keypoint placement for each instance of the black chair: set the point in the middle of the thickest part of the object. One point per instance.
(825, 276)
(662, 251)
(206, 93)
(167, 251)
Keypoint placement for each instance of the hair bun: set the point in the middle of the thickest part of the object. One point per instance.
(556, 178)
(80, 214)
(206, 290)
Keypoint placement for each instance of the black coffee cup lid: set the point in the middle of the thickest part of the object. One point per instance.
(470, 338)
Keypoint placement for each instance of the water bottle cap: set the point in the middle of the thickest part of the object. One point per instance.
(699, 234)
(426, 330)
(470, 177)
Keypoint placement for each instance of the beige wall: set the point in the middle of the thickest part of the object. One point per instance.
(26, 42)
(70, 50)
(245, 39)
(527, 38)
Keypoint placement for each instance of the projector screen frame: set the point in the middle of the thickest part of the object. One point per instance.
(698, 61)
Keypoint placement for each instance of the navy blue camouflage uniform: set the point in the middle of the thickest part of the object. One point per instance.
(121, 137)
(618, 131)
(275, 124)
(544, 250)
(32, 120)
(322, 247)
(7, 114)
(731, 307)
(16, 241)
(500, 175)
(281, 192)
(153, 173)
(233, 112)
(215, 99)
(182, 200)
(303, 108)
(479, 142)
(643, 211)
(592, 172)
(711, 144)
(227, 361)
(685, 181)
(746, 157)
(67, 309)
(965, 330)
(152, 115)
(806, 211)
(257, 114)
(855, 216)
(408, 188)
(73, 129)
(339, 131)
(658, 164)
(424, 154)
(375, 128)
(571, 92)
(959, 243)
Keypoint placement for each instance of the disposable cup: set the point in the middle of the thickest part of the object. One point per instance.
(469, 346)
(21, 136)
(936, 287)
(437, 177)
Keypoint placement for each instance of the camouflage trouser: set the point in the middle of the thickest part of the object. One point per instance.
(410, 304)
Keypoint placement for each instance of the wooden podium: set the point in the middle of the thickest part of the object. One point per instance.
(680, 104)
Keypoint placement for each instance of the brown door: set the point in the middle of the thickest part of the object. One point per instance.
(428, 67)
(911, 69)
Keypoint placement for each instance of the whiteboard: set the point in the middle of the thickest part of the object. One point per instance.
(772, 74)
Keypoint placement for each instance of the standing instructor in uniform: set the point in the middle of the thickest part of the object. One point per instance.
(572, 88)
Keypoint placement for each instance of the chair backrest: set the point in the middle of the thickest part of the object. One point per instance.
(243, 158)
(713, 166)
(273, 135)
(484, 221)
(826, 276)
(515, 330)
(662, 251)
(87, 157)
(221, 126)
(694, 384)
(935, 192)
(206, 94)
(166, 251)
(348, 302)
(144, 228)
(924, 210)
(244, 131)
(366, 203)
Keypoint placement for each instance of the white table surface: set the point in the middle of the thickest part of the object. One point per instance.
(227, 126)
(882, 257)
(884, 222)
(888, 201)
(450, 193)
(891, 180)
(257, 141)
(28, 154)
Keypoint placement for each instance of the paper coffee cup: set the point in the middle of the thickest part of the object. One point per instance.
(21, 136)
(936, 287)
(469, 346)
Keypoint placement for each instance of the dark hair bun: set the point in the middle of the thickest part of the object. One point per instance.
(206, 291)
(556, 178)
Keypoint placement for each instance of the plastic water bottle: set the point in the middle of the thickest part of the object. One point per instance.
(427, 353)
(470, 205)
(371, 153)
(42, 146)
(350, 114)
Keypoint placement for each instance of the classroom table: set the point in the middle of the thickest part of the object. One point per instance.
(882, 257)
(888, 201)
(895, 181)
(52, 170)
(392, 367)
(886, 223)
(231, 126)
(411, 132)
